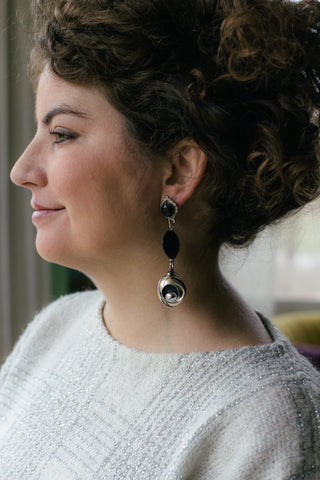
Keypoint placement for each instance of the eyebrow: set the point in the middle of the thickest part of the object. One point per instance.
(62, 110)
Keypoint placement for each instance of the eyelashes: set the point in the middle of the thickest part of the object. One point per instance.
(61, 136)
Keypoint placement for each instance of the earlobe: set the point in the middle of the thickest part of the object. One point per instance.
(187, 167)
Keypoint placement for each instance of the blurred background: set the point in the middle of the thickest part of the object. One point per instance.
(27, 283)
(279, 273)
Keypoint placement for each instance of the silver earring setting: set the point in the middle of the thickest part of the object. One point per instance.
(171, 289)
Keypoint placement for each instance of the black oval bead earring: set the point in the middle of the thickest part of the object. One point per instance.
(171, 289)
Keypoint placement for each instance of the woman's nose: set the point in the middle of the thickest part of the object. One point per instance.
(28, 171)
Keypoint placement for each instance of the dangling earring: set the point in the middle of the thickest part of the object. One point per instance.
(171, 290)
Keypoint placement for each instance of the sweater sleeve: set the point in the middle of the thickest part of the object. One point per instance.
(269, 434)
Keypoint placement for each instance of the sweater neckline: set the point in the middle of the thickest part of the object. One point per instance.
(279, 342)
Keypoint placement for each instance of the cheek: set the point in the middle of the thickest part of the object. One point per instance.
(66, 175)
(110, 188)
(121, 181)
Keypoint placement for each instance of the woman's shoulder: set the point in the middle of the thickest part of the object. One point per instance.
(266, 380)
(55, 325)
(277, 370)
(261, 405)
(71, 304)
(62, 313)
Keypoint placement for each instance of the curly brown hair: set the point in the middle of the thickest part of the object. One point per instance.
(240, 77)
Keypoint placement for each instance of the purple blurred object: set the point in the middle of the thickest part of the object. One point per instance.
(312, 352)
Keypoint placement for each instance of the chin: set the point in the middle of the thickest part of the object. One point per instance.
(60, 253)
(52, 251)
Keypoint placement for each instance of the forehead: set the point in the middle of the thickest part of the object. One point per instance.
(56, 95)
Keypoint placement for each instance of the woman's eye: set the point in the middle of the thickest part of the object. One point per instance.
(61, 136)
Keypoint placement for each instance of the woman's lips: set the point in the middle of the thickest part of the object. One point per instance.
(41, 211)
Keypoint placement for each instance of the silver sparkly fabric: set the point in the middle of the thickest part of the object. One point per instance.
(76, 405)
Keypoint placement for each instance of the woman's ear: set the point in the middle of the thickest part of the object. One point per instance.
(184, 172)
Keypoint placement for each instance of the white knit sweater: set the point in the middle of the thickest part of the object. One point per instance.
(76, 405)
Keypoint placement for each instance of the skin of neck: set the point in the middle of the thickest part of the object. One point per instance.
(212, 316)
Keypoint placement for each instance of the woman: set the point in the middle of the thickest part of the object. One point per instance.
(208, 110)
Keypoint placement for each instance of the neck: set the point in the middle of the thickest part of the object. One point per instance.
(211, 316)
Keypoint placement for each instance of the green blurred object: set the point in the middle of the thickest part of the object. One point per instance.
(65, 280)
(59, 281)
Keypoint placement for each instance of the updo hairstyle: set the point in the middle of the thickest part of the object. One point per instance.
(240, 77)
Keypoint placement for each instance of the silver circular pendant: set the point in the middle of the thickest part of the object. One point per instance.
(171, 290)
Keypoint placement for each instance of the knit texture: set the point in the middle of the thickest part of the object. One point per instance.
(77, 405)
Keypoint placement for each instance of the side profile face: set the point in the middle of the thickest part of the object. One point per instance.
(92, 192)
